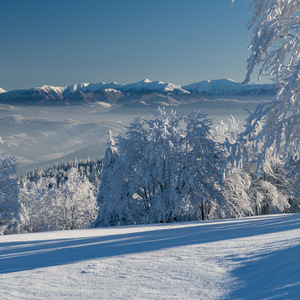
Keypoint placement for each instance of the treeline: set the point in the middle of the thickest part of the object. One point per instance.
(177, 168)
(88, 168)
(54, 198)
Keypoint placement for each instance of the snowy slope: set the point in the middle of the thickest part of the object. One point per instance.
(33, 95)
(251, 258)
(91, 87)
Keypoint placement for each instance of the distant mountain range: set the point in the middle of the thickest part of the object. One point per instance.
(145, 91)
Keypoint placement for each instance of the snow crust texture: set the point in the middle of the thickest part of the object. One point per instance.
(250, 258)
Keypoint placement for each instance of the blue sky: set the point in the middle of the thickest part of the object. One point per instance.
(61, 42)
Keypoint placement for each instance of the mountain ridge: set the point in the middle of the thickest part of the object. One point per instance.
(113, 92)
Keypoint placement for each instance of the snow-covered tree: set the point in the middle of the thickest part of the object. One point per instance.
(118, 168)
(106, 184)
(77, 203)
(202, 164)
(227, 132)
(9, 205)
(247, 194)
(90, 169)
(151, 177)
(275, 49)
(46, 207)
(38, 205)
(271, 192)
(273, 129)
(156, 180)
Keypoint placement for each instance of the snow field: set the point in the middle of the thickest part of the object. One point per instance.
(250, 258)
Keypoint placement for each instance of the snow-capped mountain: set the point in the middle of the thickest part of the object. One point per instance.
(228, 87)
(74, 94)
(147, 85)
(91, 87)
(115, 93)
(2, 90)
(144, 86)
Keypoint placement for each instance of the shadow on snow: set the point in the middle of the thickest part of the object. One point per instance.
(273, 276)
(29, 255)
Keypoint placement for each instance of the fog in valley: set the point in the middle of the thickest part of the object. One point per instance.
(40, 136)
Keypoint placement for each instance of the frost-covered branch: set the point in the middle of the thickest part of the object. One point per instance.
(275, 49)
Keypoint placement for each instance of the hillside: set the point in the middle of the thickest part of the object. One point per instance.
(250, 258)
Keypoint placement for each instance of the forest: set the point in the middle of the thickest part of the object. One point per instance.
(172, 168)
(168, 168)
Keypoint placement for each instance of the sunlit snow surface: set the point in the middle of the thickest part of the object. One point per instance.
(251, 258)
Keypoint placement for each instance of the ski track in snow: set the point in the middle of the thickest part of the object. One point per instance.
(250, 258)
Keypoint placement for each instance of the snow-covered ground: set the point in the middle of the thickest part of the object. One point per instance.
(250, 258)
